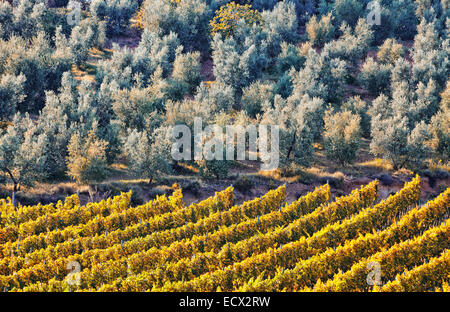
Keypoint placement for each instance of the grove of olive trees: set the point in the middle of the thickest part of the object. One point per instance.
(78, 101)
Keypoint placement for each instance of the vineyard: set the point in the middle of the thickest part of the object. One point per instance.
(356, 242)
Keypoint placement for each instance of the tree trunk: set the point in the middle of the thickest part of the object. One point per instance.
(403, 163)
(14, 200)
(13, 179)
(292, 146)
(15, 187)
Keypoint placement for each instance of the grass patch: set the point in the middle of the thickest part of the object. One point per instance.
(377, 164)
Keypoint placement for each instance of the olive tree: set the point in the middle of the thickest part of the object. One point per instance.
(21, 157)
(149, 153)
(342, 136)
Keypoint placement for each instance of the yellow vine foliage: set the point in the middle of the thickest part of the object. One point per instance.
(425, 277)
(394, 261)
(263, 244)
(139, 17)
(326, 264)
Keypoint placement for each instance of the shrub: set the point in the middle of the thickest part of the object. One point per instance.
(186, 68)
(403, 19)
(214, 169)
(6, 20)
(38, 62)
(426, 102)
(341, 136)
(254, 96)
(375, 77)
(357, 106)
(213, 164)
(352, 45)
(87, 158)
(149, 152)
(418, 150)
(310, 111)
(116, 13)
(192, 186)
(390, 52)
(389, 139)
(289, 57)
(235, 65)
(295, 137)
(348, 11)
(322, 77)
(55, 126)
(21, 157)
(280, 25)
(80, 44)
(440, 135)
(322, 31)
(284, 86)
(217, 96)
(430, 56)
(439, 128)
(244, 184)
(262, 5)
(187, 18)
(11, 95)
(225, 19)
(133, 107)
(151, 61)
(393, 140)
